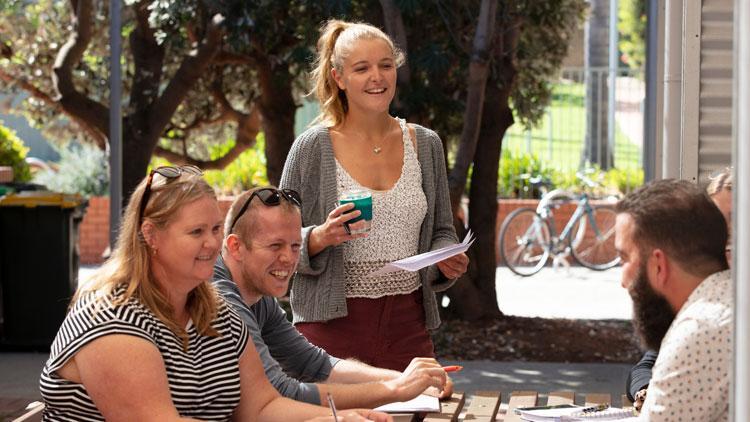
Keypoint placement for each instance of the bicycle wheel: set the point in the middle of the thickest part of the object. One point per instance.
(592, 239)
(524, 242)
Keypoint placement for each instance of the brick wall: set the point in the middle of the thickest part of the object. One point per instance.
(93, 233)
(94, 229)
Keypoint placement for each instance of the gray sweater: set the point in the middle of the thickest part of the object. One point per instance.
(310, 169)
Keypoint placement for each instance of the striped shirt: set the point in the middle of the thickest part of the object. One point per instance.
(204, 381)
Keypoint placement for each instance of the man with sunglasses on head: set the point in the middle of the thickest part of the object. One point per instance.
(262, 241)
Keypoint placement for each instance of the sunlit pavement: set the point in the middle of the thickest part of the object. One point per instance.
(574, 292)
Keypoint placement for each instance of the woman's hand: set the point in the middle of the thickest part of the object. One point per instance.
(333, 232)
(359, 415)
(454, 266)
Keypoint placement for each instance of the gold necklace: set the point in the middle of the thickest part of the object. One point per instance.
(376, 149)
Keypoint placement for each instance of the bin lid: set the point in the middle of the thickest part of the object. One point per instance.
(31, 199)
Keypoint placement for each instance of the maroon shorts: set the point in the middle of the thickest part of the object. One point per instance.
(386, 332)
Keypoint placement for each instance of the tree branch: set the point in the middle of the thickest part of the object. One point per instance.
(394, 26)
(191, 69)
(228, 58)
(40, 95)
(248, 128)
(73, 102)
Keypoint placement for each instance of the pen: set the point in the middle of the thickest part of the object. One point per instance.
(518, 410)
(332, 406)
(452, 368)
(597, 408)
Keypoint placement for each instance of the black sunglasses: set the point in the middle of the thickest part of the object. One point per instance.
(270, 197)
(169, 172)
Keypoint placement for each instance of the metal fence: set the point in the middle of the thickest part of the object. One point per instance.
(575, 131)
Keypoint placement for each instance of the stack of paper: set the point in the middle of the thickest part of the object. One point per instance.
(574, 413)
(419, 404)
(417, 262)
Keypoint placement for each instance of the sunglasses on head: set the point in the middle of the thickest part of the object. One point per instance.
(168, 172)
(270, 197)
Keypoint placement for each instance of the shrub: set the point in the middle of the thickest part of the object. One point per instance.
(611, 182)
(13, 154)
(247, 171)
(83, 169)
(624, 180)
(516, 171)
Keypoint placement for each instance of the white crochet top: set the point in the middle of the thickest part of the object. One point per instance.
(397, 216)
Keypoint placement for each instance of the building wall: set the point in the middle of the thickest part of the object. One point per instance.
(715, 110)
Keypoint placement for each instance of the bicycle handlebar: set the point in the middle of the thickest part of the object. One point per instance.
(586, 180)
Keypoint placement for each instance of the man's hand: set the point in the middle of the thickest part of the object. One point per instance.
(421, 374)
(640, 397)
(442, 395)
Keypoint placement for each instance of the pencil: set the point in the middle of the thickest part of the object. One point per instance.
(452, 368)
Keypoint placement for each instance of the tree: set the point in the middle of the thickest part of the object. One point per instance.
(195, 73)
(452, 49)
(596, 57)
(632, 26)
(199, 70)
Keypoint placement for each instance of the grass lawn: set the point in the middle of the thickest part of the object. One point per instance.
(559, 138)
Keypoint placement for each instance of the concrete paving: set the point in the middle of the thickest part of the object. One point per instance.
(573, 292)
(553, 293)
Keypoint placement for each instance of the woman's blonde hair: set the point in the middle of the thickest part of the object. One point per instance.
(719, 182)
(130, 262)
(336, 41)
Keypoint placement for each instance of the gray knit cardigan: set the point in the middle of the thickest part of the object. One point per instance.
(310, 169)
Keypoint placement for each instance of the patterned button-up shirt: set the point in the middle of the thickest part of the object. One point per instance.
(691, 375)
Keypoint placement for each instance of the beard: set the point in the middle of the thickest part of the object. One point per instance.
(652, 314)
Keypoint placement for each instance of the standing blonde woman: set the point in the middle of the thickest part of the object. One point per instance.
(148, 338)
(381, 320)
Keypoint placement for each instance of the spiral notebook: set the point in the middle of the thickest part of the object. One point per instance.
(574, 414)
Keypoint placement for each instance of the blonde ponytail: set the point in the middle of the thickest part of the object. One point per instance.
(336, 40)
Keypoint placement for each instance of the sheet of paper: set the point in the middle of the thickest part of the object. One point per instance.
(417, 262)
(574, 414)
(421, 403)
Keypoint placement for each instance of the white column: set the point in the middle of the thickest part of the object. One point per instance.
(740, 405)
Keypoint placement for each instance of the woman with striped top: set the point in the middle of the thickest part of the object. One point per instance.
(148, 338)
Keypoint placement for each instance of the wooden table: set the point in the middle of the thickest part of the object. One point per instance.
(484, 406)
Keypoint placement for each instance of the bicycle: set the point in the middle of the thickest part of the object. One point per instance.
(528, 236)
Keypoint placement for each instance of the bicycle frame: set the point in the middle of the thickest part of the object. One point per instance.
(583, 206)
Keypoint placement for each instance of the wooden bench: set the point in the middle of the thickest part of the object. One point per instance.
(484, 406)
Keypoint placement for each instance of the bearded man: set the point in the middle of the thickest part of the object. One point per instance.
(671, 239)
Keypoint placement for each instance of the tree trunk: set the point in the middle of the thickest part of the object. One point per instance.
(596, 58)
(278, 108)
(478, 72)
(474, 297)
(136, 154)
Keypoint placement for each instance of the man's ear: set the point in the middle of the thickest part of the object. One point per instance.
(659, 269)
(233, 245)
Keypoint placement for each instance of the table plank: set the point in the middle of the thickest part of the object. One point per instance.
(519, 399)
(483, 406)
(404, 417)
(449, 409)
(560, 397)
(592, 399)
